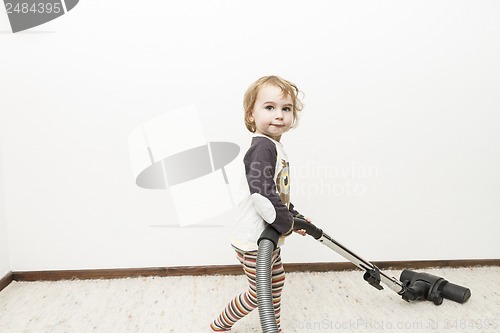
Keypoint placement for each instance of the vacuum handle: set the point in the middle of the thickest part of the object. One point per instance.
(298, 224)
(310, 228)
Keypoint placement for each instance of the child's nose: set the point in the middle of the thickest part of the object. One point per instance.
(279, 114)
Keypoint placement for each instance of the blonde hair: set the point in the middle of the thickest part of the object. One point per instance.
(287, 89)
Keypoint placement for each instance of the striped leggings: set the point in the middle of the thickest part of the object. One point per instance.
(244, 303)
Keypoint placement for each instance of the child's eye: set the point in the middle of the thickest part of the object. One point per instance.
(287, 109)
(269, 107)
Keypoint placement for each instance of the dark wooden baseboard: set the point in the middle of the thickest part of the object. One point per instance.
(233, 269)
(6, 280)
(395, 265)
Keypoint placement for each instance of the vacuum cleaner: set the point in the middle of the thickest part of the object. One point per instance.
(411, 285)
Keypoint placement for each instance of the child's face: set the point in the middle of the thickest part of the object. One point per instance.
(272, 112)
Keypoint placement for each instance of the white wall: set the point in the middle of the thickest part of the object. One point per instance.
(4, 248)
(396, 155)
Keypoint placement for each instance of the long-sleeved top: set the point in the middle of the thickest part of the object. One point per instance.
(267, 194)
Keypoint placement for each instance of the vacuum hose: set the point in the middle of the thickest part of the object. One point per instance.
(268, 241)
(264, 291)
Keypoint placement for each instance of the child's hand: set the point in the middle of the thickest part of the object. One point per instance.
(302, 231)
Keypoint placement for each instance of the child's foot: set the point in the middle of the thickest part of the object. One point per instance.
(217, 328)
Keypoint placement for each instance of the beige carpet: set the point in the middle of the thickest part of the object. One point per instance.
(312, 302)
